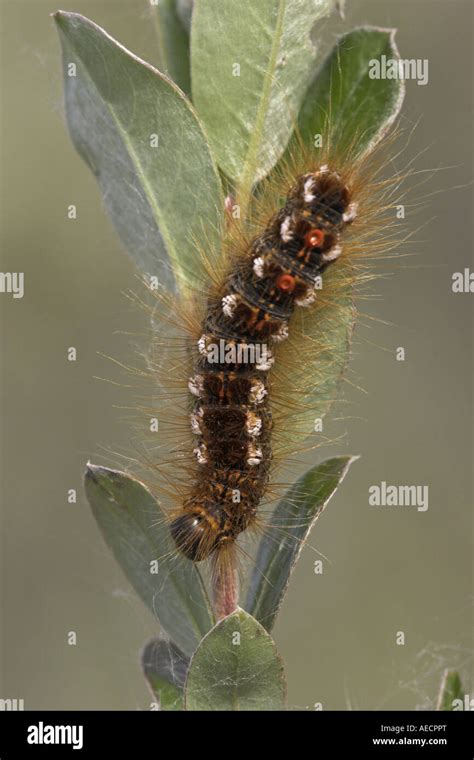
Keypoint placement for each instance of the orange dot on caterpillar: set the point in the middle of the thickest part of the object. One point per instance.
(314, 238)
(286, 283)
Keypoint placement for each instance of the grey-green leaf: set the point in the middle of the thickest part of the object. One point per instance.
(165, 668)
(450, 690)
(344, 103)
(251, 64)
(236, 667)
(144, 143)
(291, 522)
(173, 43)
(135, 529)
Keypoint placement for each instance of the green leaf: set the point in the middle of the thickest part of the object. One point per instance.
(451, 689)
(291, 522)
(236, 667)
(163, 200)
(249, 117)
(173, 43)
(165, 668)
(343, 103)
(135, 529)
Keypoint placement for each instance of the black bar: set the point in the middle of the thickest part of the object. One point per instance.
(297, 734)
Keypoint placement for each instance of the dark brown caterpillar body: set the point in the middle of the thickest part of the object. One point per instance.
(231, 415)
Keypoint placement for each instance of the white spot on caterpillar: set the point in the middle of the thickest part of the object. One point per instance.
(257, 392)
(202, 345)
(253, 424)
(332, 254)
(255, 455)
(195, 418)
(308, 186)
(195, 425)
(264, 361)
(307, 300)
(229, 304)
(285, 231)
(282, 333)
(195, 385)
(200, 452)
(351, 212)
(258, 265)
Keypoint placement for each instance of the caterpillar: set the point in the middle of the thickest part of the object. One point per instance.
(246, 358)
(252, 312)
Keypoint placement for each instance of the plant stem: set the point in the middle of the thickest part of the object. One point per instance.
(226, 590)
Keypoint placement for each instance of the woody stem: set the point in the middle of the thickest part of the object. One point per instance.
(225, 590)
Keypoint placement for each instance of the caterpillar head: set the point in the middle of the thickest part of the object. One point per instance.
(196, 533)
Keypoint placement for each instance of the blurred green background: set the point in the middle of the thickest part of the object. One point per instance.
(387, 569)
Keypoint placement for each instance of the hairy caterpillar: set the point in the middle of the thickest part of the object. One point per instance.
(242, 360)
(252, 312)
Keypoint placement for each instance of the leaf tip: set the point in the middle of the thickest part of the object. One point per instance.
(65, 19)
(350, 459)
(59, 16)
(95, 473)
(353, 458)
(91, 472)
